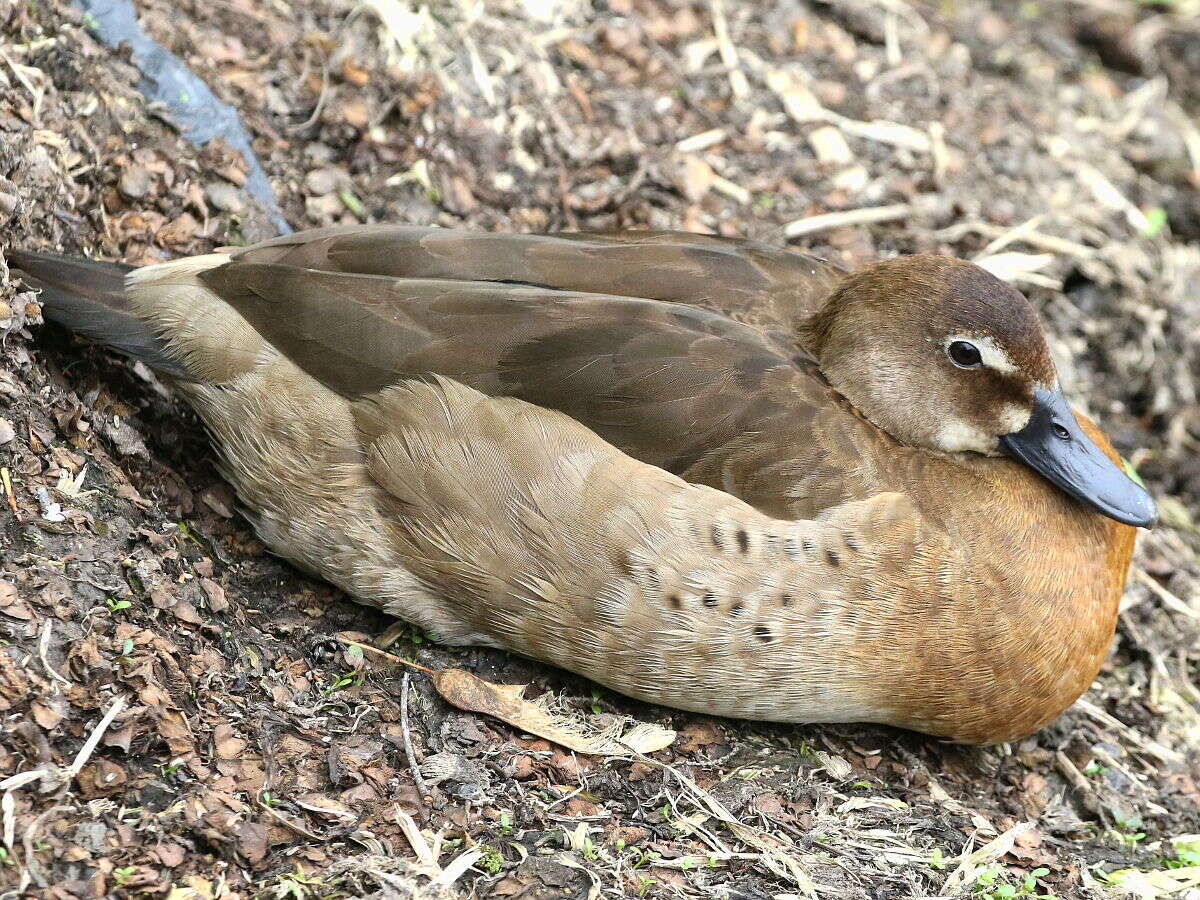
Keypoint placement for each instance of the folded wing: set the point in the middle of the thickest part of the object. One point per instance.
(749, 282)
(662, 381)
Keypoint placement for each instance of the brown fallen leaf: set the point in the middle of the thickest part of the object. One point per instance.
(215, 594)
(185, 612)
(170, 854)
(226, 744)
(324, 806)
(252, 841)
(506, 702)
(12, 605)
(700, 734)
(49, 713)
(173, 729)
(194, 887)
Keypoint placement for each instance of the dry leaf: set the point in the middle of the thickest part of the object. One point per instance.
(173, 728)
(194, 887)
(226, 744)
(215, 594)
(871, 803)
(170, 854)
(325, 806)
(50, 713)
(1109, 195)
(836, 766)
(12, 605)
(970, 864)
(1014, 266)
(185, 612)
(505, 702)
(252, 841)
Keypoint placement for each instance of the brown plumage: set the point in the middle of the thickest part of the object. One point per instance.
(706, 473)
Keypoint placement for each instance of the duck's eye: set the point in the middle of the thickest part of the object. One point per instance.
(965, 355)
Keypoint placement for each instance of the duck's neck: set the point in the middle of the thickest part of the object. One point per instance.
(1010, 512)
(1061, 567)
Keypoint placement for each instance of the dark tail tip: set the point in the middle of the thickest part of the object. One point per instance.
(88, 297)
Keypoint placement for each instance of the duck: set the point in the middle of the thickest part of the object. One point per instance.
(704, 472)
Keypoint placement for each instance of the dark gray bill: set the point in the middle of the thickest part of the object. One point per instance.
(1054, 445)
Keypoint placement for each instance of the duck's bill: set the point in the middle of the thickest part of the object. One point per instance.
(1054, 445)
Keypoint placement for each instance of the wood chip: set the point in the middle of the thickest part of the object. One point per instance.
(701, 141)
(1020, 267)
(883, 132)
(696, 178)
(804, 107)
(869, 215)
(729, 189)
(830, 146)
(798, 101)
(729, 53)
(1109, 196)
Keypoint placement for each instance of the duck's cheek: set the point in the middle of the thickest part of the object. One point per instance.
(1012, 417)
(960, 436)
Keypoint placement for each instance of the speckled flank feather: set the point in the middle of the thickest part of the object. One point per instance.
(551, 542)
(563, 446)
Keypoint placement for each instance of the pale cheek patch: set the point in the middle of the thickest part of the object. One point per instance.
(992, 354)
(1014, 417)
(958, 436)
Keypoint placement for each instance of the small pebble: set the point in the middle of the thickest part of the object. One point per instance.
(51, 512)
(6, 431)
(135, 183)
(320, 182)
(225, 197)
(319, 153)
(327, 206)
(9, 203)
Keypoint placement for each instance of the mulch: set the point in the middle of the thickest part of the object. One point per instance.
(181, 717)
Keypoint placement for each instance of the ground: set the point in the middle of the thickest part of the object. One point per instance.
(179, 717)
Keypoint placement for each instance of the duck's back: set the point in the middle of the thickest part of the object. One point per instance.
(669, 346)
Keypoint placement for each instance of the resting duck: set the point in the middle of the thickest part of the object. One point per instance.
(705, 473)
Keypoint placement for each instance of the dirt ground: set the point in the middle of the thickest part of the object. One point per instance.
(178, 719)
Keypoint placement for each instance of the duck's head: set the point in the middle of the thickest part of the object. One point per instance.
(943, 355)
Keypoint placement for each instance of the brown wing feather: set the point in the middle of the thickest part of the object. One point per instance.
(665, 383)
(766, 286)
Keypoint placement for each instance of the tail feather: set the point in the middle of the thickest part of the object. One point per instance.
(88, 297)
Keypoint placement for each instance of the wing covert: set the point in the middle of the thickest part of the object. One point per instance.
(662, 381)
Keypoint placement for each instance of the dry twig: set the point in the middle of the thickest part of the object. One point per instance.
(871, 215)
